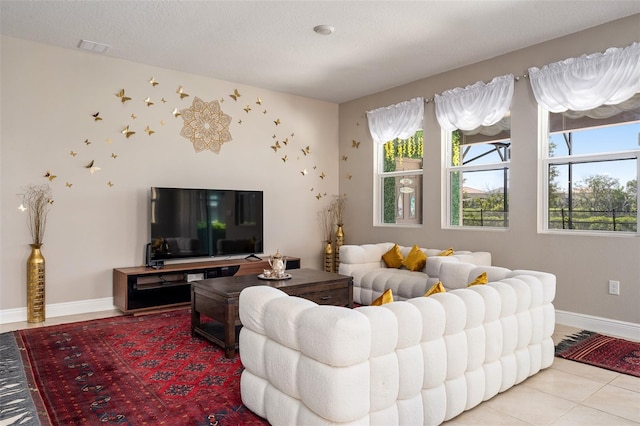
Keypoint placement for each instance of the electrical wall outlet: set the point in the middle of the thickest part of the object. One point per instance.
(614, 287)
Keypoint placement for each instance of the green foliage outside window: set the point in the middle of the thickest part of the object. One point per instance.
(412, 147)
(456, 183)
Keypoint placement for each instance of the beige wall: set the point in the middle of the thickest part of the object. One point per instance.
(48, 96)
(583, 264)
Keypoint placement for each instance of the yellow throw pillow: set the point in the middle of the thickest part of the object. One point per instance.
(436, 288)
(386, 297)
(416, 259)
(393, 258)
(447, 252)
(480, 279)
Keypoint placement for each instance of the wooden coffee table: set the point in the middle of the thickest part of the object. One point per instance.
(217, 298)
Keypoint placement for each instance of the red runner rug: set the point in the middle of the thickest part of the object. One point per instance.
(622, 356)
(127, 370)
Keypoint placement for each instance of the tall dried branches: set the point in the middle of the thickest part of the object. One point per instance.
(37, 200)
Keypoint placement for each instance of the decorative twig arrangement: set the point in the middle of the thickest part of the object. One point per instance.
(337, 207)
(36, 200)
(326, 223)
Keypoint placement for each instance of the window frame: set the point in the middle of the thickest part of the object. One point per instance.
(446, 195)
(378, 186)
(545, 161)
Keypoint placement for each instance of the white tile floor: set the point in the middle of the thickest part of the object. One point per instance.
(567, 393)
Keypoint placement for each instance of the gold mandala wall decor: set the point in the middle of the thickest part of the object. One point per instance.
(205, 125)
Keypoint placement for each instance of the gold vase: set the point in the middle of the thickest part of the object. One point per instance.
(35, 285)
(339, 243)
(328, 257)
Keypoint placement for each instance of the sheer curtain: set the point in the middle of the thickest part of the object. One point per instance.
(396, 121)
(589, 81)
(476, 105)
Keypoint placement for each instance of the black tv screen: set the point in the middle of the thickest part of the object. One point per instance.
(187, 223)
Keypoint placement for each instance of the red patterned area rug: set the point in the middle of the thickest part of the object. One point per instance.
(622, 356)
(145, 370)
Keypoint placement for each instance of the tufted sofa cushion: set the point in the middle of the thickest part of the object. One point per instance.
(421, 361)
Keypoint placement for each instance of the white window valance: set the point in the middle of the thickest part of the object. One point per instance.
(396, 121)
(585, 83)
(476, 105)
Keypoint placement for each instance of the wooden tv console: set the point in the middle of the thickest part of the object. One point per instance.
(138, 289)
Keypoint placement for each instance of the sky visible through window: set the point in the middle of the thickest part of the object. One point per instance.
(589, 141)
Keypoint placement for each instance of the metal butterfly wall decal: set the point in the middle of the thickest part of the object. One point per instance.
(344, 158)
(128, 133)
(114, 156)
(68, 185)
(306, 151)
(122, 96)
(110, 184)
(304, 172)
(73, 153)
(277, 121)
(247, 109)
(181, 92)
(276, 147)
(91, 167)
(96, 116)
(176, 113)
(87, 142)
(259, 101)
(235, 95)
(148, 102)
(149, 131)
(322, 175)
(318, 196)
(285, 158)
(50, 175)
(355, 144)
(153, 82)
(286, 141)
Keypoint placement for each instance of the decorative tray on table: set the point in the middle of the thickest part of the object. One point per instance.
(274, 278)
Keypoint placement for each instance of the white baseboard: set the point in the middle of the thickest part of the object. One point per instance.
(60, 309)
(627, 330)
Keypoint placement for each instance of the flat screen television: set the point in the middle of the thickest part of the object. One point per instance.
(191, 223)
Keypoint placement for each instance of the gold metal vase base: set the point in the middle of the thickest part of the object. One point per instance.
(339, 243)
(35, 285)
(328, 257)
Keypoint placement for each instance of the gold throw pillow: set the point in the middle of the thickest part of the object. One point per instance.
(386, 297)
(480, 280)
(416, 259)
(436, 288)
(393, 258)
(447, 252)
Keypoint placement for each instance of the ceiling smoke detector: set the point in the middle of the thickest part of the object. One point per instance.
(324, 29)
(93, 46)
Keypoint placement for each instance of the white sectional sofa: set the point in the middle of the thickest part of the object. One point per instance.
(415, 362)
(371, 277)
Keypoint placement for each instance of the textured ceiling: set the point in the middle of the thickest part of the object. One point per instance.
(271, 44)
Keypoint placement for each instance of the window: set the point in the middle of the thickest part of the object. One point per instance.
(590, 168)
(399, 180)
(477, 180)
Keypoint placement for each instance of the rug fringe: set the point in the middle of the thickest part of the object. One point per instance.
(572, 340)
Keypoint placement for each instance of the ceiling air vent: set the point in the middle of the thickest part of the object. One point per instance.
(93, 46)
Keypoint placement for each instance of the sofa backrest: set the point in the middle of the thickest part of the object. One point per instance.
(369, 256)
